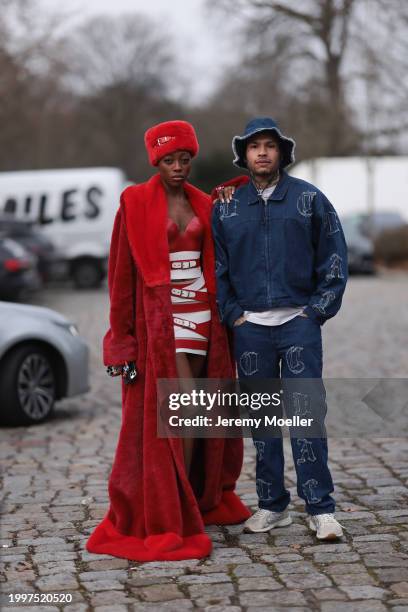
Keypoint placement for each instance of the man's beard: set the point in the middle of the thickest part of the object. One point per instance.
(266, 174)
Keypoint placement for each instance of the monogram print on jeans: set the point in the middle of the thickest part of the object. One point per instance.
(306, 451)
(260, 449)
(249, 363)
(295, 364)
(301, 403)
(264, 490)
(229, 209)
(304, 203)
(309, 491)
(325, 300)
(335, 267)
(331, 223)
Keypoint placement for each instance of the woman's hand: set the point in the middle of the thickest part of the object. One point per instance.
(127, 371)
(225, 193)
(114, 370)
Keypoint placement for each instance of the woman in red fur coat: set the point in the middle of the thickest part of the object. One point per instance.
(163, 318)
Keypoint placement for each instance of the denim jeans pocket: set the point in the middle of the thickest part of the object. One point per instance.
(307, 318)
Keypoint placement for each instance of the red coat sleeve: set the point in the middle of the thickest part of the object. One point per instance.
(242, 179)
(119, 343)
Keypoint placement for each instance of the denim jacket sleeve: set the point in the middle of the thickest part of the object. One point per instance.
(330, 261)
(228, 307)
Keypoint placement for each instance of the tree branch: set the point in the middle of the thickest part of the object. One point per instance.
(285, 10)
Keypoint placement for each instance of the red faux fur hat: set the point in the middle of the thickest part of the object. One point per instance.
(170, 136)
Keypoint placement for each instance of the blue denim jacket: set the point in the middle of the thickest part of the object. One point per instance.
(288, 252)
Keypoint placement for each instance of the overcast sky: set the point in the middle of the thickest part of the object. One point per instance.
(198, 42)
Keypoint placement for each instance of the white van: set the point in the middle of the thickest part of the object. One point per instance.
(74, 208)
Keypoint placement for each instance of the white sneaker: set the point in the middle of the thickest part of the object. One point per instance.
(264, 520)
(325, 526)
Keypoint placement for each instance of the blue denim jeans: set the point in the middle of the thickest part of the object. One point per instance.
(291, 350)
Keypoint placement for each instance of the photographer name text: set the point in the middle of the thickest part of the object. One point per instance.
(255, 423)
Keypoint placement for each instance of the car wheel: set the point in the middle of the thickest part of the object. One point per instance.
(27, 385)
(87, 274)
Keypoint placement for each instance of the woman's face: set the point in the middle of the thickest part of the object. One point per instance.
(175, 168)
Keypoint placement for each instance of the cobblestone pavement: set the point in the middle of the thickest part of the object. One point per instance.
(55, 477)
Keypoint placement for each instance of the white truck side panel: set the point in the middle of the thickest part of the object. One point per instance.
(75, 208)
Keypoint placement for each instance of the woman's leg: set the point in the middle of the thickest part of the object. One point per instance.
(189, 366)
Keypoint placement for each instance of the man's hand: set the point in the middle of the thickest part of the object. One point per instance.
(240, 320)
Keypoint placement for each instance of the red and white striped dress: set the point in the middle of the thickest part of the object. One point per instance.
(189, 296)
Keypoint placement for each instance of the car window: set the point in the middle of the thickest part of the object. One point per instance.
(14, 248)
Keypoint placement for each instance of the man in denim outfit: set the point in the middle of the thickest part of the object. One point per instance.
(281, 265)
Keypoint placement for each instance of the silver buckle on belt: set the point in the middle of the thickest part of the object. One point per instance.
(184, 323)
(185, 293)
(184, 265)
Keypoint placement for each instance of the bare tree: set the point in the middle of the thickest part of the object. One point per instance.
(120, 73)
(106, 52)
(30, 91)
(82, 96)
(382, 75)
(328, 42)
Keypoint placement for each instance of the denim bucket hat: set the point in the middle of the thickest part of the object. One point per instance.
(262, 124)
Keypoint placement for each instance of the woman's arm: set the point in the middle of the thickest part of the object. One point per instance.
(234, 183)
(119, 343)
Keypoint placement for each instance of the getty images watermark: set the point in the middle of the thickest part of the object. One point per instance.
(219, 400)
(300, 408)
(228, 408)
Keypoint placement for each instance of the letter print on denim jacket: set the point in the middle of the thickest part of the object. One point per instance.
(228, 308)
(331, 261)
(304, 203)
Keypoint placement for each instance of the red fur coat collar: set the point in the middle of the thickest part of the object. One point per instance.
(145, 208)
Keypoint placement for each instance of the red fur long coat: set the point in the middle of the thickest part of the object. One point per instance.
(156, 512)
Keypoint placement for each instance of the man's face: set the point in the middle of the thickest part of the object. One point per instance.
(262, 154)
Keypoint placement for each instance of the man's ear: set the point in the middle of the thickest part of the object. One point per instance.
(280, 155)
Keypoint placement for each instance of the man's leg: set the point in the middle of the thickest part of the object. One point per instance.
(257, 357)
(300, 348)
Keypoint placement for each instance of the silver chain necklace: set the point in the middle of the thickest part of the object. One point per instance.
(273, 181)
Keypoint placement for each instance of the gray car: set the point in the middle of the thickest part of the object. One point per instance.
(42, 359)
(360, 247)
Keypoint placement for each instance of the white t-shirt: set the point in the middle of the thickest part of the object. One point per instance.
(275, 316)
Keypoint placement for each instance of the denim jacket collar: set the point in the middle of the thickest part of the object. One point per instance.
(278, 193)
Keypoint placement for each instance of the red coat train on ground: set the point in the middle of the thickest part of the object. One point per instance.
(156, 512)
